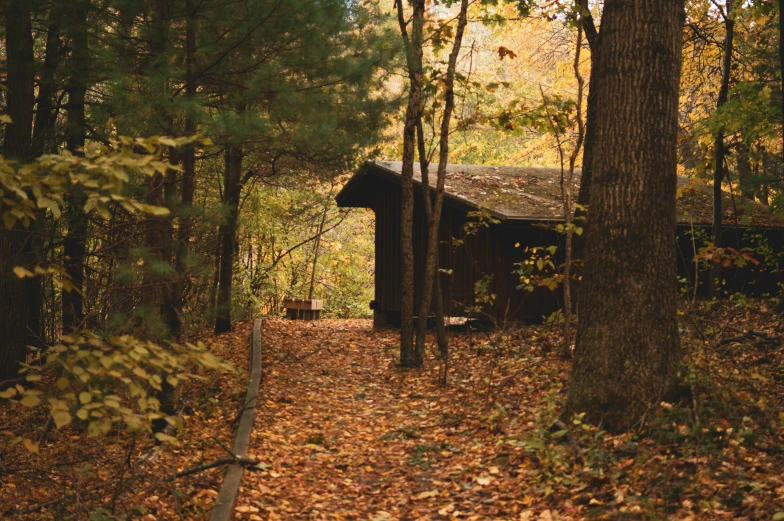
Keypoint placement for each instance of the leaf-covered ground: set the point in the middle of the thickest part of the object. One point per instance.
(345, 434)
(77, 476)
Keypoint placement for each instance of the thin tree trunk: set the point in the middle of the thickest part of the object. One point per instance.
(212, 300)
(43, 130)
(583, 196)
(316, 251)
(413, 109)
(763, 194)
(228, 231)
(185, 210)
(172, 304)
(75, 241)
(438, 302)
(566, 192)
(431, 257)
(627, 348)
(747, 187)
(17, 145)
(720, 148)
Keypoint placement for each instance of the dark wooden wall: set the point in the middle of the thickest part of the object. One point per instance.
(490, 251)
(766, 243)
(493, 250)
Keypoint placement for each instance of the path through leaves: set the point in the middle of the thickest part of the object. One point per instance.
(345, 434)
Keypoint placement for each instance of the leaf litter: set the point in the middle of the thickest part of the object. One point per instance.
(344, 433)
(78, 476)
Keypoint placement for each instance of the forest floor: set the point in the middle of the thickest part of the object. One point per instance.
(343, 433)
(76, 476)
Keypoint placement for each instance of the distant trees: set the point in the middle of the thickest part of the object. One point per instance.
(627, 339)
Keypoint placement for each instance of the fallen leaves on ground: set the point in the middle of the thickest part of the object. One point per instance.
(77, 476)
(344, 433)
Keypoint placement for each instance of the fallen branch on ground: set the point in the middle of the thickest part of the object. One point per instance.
(248, 463)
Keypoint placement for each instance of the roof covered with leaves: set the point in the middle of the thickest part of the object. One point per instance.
(516, 192)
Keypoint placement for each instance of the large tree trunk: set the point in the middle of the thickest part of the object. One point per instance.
(627, 336)
(414, 61)
(15, 302)
(75, 242)
(228, 232)
(720, 148)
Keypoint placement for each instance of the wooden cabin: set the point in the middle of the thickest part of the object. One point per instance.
(514, 208)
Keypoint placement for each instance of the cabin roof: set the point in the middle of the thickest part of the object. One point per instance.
(513, 193)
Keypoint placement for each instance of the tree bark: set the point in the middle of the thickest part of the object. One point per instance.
(75, 241)
(583, 195)
(627, 337)
(438, 299)
(720, 149)
(17, 145)
(43, 131)
(431, 256)
(227, 233)
(566, 194)
(747, 184)
(413, 109)
(316, 251)
(185, 210)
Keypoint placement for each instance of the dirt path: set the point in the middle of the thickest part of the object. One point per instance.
(349, 436)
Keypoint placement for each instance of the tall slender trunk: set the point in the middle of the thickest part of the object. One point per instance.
(228, 231)
(583, 196)
(747, 184)
(185, 210)
(75, 241)
(316, 251)
(566, 193)
(629, 284)
(438, 297)
(172, 305)
(413, 109)
(161, 296)
(720, 149)
(431, 256)
(15, 303)
(763, 194)
(43, 130)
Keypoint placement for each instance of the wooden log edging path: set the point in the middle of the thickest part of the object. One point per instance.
(224, 504)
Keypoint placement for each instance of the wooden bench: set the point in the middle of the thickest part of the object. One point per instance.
(303, 308)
